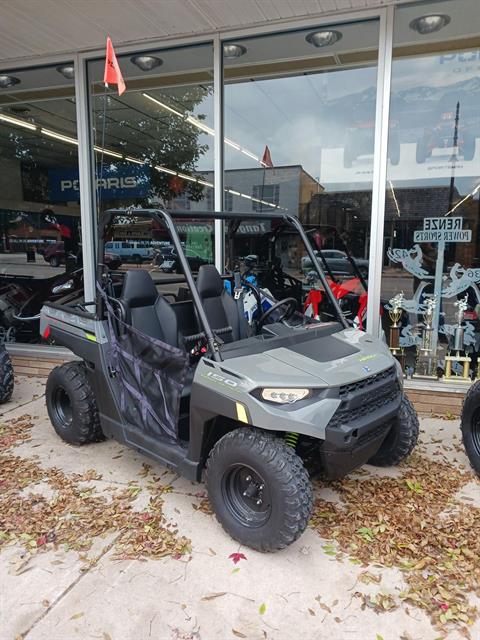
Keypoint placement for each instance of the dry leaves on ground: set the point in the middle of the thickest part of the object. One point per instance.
(415, 524)
(74, 514)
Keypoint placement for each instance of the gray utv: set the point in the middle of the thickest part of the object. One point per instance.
(255, 407)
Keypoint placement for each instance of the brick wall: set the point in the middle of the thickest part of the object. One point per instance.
(427, 402)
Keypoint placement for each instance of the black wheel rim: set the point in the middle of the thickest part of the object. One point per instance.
(62, 406)
(246, 496)
(475, 431)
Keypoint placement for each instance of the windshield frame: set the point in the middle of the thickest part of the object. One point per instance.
(167, 219)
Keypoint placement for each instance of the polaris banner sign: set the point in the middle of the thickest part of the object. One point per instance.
(118, 181)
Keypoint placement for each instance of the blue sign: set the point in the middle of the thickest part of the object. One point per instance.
(123, 180)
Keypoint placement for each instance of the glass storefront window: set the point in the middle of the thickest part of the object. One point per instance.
(299, 138)
(154, 144)
(40, 235)
(431, 276)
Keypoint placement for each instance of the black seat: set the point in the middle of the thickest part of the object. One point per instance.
(220, 308)
(147, 310)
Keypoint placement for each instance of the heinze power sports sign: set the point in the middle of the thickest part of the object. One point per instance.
(123, 180)
(443, 229)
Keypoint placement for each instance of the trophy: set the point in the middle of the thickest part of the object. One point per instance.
(425, 356)
(458, 335)
(395, 313)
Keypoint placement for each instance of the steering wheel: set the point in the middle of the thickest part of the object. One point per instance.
(255, 291)
(292, 305)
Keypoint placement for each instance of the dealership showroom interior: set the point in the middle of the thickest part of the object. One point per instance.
(362, 118)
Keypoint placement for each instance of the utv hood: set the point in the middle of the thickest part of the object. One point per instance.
(339, 358)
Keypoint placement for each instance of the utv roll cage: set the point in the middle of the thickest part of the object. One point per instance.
(166, 218)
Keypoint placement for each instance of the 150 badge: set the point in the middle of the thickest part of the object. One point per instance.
(216, 377)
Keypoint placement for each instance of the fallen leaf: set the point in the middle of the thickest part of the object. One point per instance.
(236, 557)
(106, 636)
(212, 596)
(77, 615)
(262, 608)
(238, 634)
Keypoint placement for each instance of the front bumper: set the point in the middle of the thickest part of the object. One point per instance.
(360, 425)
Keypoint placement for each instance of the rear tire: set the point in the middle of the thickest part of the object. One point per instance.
(259, 489)
(6, 376)
(71, 404)
(401, 439)
(54, 261)
(470, 426)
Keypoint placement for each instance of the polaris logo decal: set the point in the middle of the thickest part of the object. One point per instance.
(366, 369)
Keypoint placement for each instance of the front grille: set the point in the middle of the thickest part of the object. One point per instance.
(353, 387)
(372, 435)
(372, 403)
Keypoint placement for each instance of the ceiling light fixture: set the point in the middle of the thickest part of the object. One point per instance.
(135, 160)
(429, 24)
(232, 51)
(59, 136)
(8, 81)
(146, 63)
(67, 71)
(165, 170)
(323, 38)
(107, 152)
(17, 122)
(164, 106)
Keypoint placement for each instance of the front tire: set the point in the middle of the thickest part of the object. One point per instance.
(6, 376)
(54, 261)
(470, 426)
(259, 489)
(401, 438)
(71, 404)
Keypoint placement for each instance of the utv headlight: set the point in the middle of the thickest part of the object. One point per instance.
(284, 396)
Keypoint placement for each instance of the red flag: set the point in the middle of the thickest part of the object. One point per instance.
(112, 73)
(267, 158)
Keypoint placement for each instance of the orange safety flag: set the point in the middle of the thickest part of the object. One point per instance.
(267, 158)
(112, 74)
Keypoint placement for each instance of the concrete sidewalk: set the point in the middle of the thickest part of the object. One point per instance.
(315, 589)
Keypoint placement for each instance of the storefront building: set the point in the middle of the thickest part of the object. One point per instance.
(371, 117)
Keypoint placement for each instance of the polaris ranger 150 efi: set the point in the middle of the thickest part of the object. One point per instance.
(250, 405)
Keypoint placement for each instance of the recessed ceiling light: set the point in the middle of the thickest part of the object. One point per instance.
(146, 63)
(67, 70)
(324, 38)
(7, 81)
(231, 51)
(429, 24)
